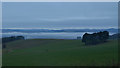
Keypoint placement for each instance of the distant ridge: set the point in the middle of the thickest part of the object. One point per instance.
(58, 30)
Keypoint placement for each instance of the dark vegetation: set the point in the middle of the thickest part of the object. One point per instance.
(9, 39)
(115, 36)
(88, 39)
(95, 38)
(3, 45)
(79, 38)
(12, 38)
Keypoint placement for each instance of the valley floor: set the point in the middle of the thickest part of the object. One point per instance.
(51, 52)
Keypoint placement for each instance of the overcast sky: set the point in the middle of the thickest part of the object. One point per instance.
(60, 0)
(60, 15)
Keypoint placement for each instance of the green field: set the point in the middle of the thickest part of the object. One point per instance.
(50, 52)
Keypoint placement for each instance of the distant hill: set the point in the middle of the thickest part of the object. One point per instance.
(60, 30)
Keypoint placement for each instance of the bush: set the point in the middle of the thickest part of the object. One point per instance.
(95, 38)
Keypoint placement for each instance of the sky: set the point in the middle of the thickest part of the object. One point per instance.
(60, 15)
(60, 0)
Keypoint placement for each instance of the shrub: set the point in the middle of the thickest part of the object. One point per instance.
(95, 38)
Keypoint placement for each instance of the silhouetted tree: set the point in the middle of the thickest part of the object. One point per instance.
(95, 38)
(84, 37)
(3, 45)
(12, 38)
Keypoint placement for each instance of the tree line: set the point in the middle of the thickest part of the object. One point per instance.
(95, 38)
(9, 39)
(12, 38)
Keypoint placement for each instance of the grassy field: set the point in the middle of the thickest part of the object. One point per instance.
(50, 52)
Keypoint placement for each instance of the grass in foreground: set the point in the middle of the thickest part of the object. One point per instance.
(48, 52)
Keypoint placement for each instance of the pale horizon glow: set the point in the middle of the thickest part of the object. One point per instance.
(66, 28)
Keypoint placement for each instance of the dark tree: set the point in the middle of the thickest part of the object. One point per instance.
(106, 35)
(95, 38)
(12, 38)
(3, 45)
(84, 37)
